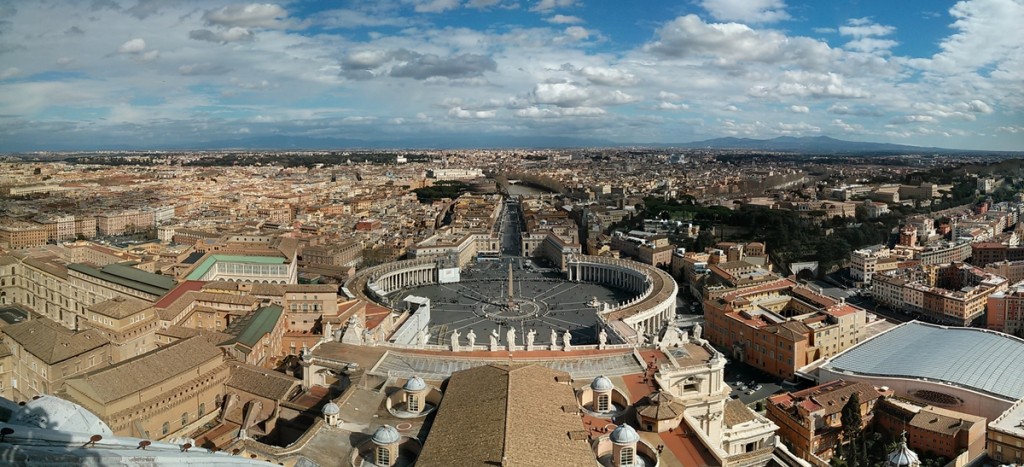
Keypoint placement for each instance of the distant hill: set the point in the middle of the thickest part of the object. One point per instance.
(284, 142)
(815, 144)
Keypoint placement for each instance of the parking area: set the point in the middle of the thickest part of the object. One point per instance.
(750, 384)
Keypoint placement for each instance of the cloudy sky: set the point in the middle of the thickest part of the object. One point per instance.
(156, 73)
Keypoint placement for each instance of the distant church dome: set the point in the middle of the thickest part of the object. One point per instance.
(601, 383)
(331, 409)
(386, 434)
(624, 434)
(415, 384)
(903, 456)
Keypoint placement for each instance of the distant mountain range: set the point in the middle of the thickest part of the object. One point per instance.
(815, 144)
(276, 142)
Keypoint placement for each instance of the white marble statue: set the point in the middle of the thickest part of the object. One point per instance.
(471, 337)
(455, 340)
(510, 336)
(424, 337)
(328, 331)
(697, 331)
(530, 336)
(494, 339)
(567, 341)
(554, 338)
(602, 339)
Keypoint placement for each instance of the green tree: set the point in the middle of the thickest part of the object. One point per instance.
(851, 421)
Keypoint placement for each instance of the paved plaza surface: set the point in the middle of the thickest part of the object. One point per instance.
(407, 365)
(541, 300)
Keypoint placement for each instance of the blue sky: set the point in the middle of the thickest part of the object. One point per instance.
(156, 73)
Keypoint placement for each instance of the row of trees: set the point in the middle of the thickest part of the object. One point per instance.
(790, 236)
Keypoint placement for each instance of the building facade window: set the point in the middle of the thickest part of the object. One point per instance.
(184, 419)
(166, 428)
(626, 457)
(602, 402)
(202, 409)
(383, 456)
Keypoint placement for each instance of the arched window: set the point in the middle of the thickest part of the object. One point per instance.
(626, 457)
(202, 409)
(184, 419)
(383, 456)
(603, 402)
(166, 428)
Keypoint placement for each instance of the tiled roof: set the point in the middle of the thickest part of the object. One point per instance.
(261, 382)
(147, 370)
(737, 413)
(120, 307)
(660, 406)
(51, 342)
(501, 415)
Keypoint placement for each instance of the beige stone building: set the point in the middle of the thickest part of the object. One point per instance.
(45, 354)
(129, 324)
(19, 235)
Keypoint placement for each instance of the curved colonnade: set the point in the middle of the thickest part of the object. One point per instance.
(647, 312)
(656, 291)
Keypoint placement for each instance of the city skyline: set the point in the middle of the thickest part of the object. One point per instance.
(111, 74)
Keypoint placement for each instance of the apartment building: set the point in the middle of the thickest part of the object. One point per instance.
(124, 221)
(780, 326)
(15, 235)
(954, 293)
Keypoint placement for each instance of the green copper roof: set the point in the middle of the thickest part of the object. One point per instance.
(204, 267)
(262, 322)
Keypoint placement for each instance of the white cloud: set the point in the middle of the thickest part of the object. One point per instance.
(434, 6)
(132, 46)
(810, 84)
(864, 27)
(538, 112)
(254, 15)
(608, 76)
(799, 128)
(234, 34)
(846, 127)
(799, 109)
(724, 43)
(460, 113)
(904, 119)
(748, 11)
(870, 45)
(564, 19)
(867, 35)
(344, 18)
(665, 105)
(560, 94)
(482, 4)
(547, 5)
(577, 33)
(10, 73)
(988, 34)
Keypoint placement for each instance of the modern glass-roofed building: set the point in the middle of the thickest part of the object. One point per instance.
(238, 268)
(970, 370)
